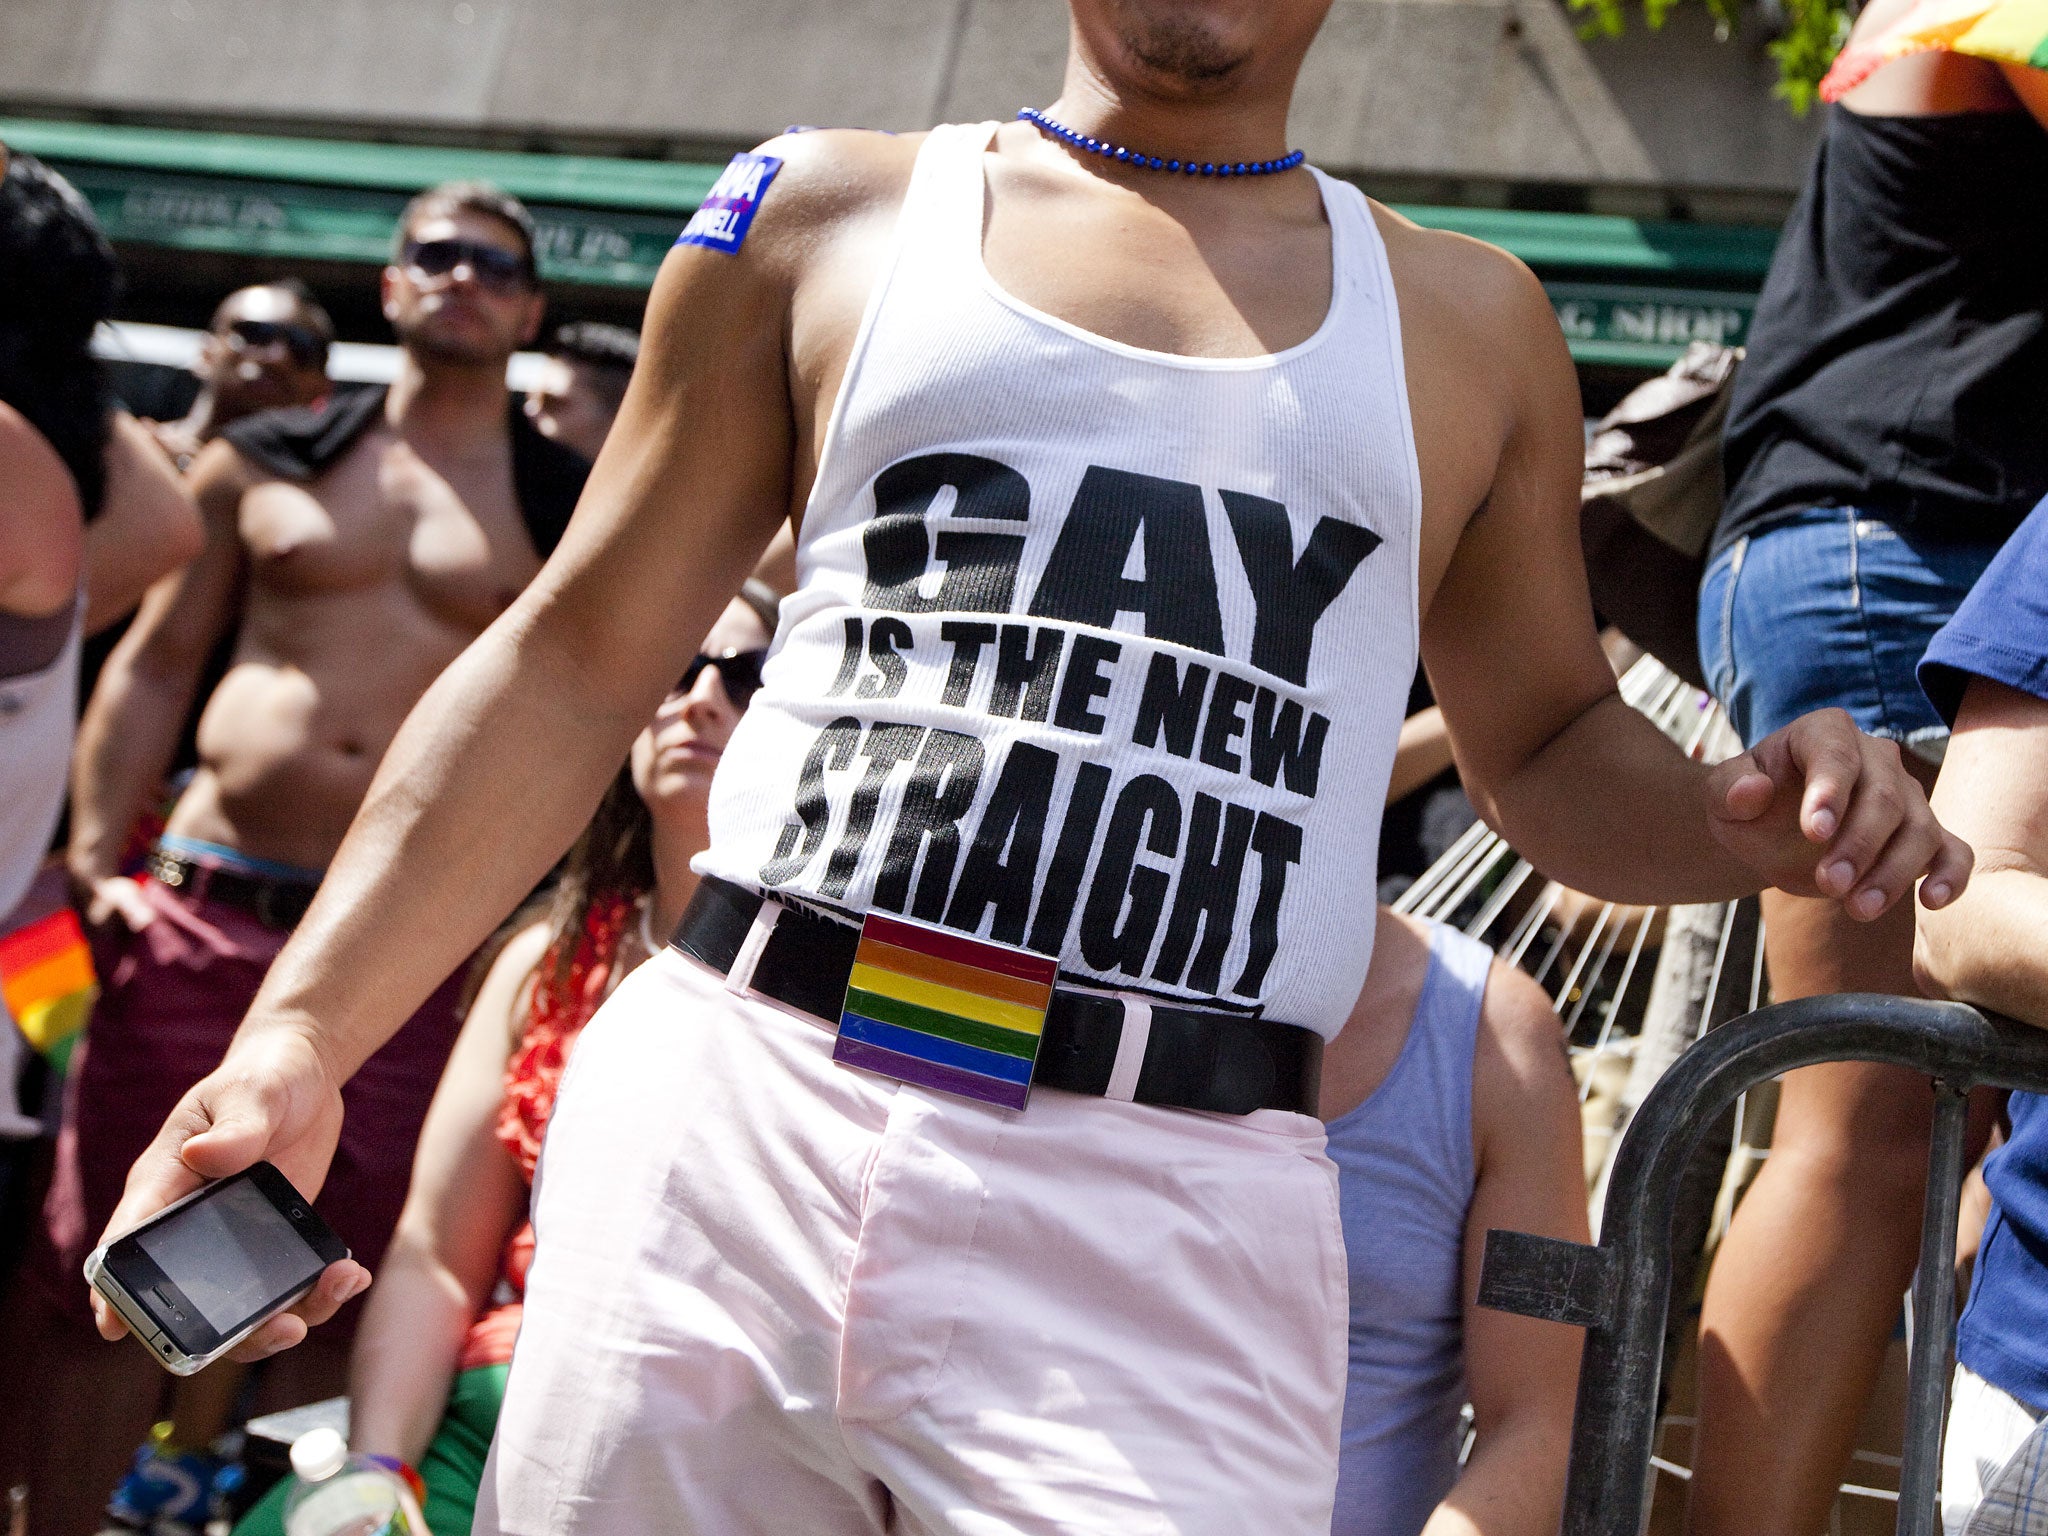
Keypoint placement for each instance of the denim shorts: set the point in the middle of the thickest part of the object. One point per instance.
(1832, 608)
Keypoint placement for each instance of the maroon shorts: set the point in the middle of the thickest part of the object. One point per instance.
(174, 995)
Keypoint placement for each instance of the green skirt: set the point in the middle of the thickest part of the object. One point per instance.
(452, 1468)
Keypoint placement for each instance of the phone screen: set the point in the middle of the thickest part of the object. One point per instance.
(233, 1254)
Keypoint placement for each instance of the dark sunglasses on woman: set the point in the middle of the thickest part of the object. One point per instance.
(308, 348)
(740, 671)
(496, 268)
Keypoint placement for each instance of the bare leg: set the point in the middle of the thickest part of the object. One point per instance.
(1807, 1286)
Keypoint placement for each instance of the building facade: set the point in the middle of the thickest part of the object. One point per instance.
(1643, 177)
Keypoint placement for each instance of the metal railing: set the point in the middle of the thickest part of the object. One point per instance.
(1619, 1290)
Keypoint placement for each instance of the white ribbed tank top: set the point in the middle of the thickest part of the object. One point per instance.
(1095, 650)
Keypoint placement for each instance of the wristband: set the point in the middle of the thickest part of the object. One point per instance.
(404, 1472)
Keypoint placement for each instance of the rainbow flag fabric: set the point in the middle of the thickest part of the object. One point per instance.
(940, 1011)
(2004, 31)
(47, 978)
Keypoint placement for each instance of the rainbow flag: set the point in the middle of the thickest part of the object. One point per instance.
(47, 979)
(2004, 31)
(959, 1015)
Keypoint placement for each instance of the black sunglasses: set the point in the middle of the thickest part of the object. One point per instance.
(307, 347)
(740, 671)
(496, 268)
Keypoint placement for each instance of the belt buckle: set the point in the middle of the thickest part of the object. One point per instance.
(942, 1011)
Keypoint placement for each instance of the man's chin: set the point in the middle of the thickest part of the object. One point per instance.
(459, 349)
(1193, 52)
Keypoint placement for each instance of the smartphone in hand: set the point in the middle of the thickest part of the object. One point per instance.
(201, 1275)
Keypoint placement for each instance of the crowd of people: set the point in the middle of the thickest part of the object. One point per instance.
(1013, 550)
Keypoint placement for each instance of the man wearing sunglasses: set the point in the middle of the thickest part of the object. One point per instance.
(352, 552)
(265, 349)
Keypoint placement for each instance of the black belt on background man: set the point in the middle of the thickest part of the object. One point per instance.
(1195, 1058)
(274, 901)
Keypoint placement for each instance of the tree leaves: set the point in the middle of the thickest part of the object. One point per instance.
(1810, 33)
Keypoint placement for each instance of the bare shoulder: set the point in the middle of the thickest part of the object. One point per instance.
(41, 522)
(1403, 943)
(221, 471)
(833, 186)
(1463, 292)
(832, 172)
(224, 463)
(1522, 1087)
(1491, 387)
(1516, 1018)
(31, 467)
(829, 179)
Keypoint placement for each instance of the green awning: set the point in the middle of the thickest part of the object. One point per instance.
(1627, 291)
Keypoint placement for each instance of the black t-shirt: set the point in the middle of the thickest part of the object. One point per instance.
(1898, 362)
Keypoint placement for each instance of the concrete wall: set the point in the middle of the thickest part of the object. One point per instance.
(1488, 91)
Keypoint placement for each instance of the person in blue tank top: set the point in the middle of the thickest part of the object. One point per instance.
(1451, 1110)
(1987, 673)
(1130, 464)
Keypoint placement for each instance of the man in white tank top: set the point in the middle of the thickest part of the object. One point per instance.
(1129, 467)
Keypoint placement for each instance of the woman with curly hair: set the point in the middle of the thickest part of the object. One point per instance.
(435, 1342)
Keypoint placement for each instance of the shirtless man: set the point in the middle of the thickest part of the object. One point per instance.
(356, 552)
(1133, 507)
(266, 348)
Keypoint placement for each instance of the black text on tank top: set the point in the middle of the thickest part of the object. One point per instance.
(1099, 652)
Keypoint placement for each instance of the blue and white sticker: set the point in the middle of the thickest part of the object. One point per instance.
(722, 220)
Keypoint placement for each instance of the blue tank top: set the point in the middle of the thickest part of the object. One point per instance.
(1406, 1169)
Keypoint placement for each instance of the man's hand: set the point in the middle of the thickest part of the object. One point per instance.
(116, 896)
(1822, 784)
(272, 1097)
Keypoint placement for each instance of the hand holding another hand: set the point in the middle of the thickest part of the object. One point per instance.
(1820, 809)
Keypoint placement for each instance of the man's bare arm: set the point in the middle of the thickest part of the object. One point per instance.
(147, 527)
(138, 708)
(1588, 789)
(1522, 1374)
(1986, 948)
(500, 763)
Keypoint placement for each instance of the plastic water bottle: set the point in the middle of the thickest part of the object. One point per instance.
(342, 1495)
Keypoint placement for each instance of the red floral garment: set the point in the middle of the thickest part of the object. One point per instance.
(533, 1076)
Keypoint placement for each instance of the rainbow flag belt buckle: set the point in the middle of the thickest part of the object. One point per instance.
(941, 1011)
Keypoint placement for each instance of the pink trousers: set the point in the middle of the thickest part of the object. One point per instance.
(776, 1295)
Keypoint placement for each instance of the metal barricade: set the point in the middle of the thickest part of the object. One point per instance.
(1619, 1290)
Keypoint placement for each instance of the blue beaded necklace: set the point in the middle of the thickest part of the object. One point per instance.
(1123, 156)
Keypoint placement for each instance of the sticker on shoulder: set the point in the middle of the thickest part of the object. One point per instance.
(721, 222)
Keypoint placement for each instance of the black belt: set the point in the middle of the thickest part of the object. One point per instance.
(273, 902)
(1195, 1058)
